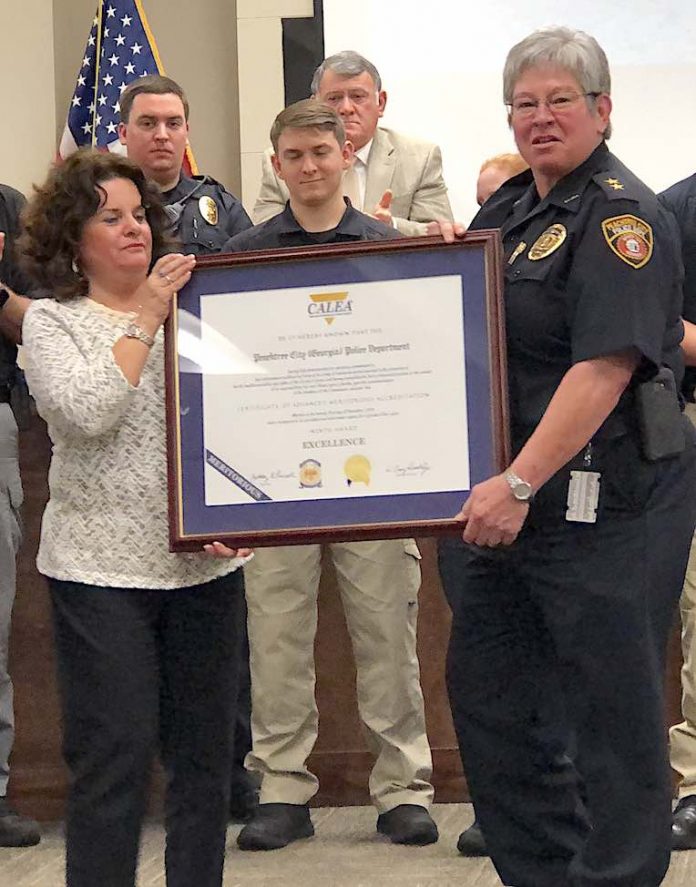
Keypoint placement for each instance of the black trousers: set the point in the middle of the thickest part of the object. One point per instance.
(564, 635)
(140, 671)
(241, 782)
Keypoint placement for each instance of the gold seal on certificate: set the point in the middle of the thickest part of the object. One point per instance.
(357, 470)
(310, 473)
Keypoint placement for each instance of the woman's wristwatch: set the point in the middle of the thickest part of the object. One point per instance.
(521, 490)
(133, 331)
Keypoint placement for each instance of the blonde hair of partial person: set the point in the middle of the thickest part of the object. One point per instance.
(495, 171)
(575, 51)
(308, 114)
(512, 164)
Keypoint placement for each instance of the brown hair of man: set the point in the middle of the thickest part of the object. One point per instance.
(153, 84)
(55, 217)
(308, 114)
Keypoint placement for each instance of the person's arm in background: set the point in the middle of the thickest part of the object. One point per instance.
(429, 202)
(12, 314)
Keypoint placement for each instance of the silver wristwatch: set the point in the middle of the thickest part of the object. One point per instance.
(133, 331)
(521, 490)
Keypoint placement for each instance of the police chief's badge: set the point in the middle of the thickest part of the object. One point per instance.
(630, 238)
(548, 243)
(208, 209)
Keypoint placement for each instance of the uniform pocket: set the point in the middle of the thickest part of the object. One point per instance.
(628, 480)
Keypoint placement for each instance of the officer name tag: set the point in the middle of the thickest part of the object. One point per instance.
(583, 496)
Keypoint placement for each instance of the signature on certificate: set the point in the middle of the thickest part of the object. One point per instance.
(413, 469)
(276, 474)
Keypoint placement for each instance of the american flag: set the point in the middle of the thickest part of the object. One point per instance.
(120, 48)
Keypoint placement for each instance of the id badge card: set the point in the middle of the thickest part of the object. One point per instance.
(583, 496)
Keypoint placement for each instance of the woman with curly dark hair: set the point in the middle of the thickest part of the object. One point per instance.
(146, 639)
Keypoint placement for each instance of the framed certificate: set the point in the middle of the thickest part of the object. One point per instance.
(350, 391)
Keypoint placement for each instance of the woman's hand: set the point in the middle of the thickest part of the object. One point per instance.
(217, 549)
(492, 514)
(155, 294)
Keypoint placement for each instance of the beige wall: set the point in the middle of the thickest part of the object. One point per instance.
(261, 89)
(27, 107)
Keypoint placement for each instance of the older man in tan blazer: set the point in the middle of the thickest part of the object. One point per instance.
(396, 178)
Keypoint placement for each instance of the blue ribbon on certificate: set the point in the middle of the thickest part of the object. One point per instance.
(236, 478)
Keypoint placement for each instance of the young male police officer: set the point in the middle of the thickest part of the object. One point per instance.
(154, 128)
(379, 581)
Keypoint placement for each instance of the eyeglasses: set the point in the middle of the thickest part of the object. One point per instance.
(558, 104)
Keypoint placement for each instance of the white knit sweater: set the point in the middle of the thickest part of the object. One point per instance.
(106, 519)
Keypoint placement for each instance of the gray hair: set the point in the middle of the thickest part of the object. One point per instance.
(576, 51)
(346, 64)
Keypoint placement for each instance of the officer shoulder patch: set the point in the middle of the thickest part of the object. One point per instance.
(630, 238)
(208, 209)
(547, 243)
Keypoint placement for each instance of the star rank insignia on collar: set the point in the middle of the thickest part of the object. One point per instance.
(614, 183)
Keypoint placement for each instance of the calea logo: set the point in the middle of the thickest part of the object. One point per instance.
(329, 306)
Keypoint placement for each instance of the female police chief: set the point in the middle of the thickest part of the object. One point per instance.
(573, 560)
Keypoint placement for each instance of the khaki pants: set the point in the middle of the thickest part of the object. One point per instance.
(683, 736)
(379, 584)
(10, 538)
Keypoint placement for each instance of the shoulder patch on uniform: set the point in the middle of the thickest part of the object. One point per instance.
(630, 238)
(547, 243)
(208, 209)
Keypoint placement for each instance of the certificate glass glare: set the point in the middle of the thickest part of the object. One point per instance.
(346, 392)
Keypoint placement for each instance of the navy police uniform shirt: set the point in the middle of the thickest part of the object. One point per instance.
(284, 230)
(206, 214)
(590, 270)
(11, 203)
(680, 200)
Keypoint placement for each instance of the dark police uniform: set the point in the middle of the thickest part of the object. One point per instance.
(563, 633)
(680, 199)
(206, 214)
(284, 230)
(11, 203)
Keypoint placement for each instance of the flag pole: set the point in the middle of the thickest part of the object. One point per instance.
(160, 70)
(97, 62)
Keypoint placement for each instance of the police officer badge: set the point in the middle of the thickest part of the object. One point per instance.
(630, 238)
(208, 209)
(548, 242)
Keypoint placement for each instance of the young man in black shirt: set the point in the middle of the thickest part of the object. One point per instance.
(311, 155)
